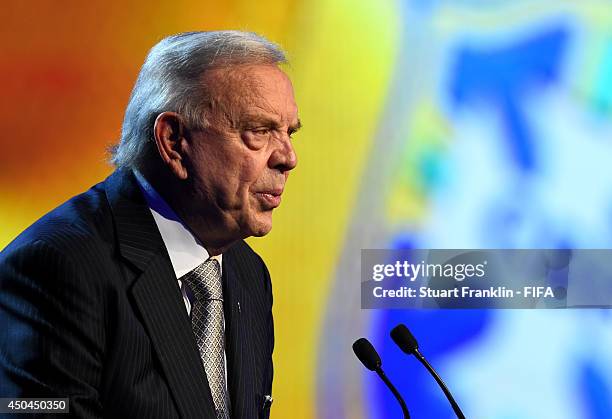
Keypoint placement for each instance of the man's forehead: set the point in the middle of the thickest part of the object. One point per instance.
(252, 76)
(253, 91)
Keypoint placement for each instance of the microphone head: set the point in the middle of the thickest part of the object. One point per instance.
(404, 339)
(367, 354)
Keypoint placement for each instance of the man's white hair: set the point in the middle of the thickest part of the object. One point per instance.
(170, 80)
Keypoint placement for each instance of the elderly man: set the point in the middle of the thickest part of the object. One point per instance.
(139, 298)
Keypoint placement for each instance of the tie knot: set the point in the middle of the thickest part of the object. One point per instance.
(205, 281)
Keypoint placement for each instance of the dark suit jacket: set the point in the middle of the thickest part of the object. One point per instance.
(90, 309)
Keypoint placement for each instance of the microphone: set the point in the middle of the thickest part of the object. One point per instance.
(370, 358)
(408, 344)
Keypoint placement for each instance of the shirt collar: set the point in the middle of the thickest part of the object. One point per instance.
(185, 250)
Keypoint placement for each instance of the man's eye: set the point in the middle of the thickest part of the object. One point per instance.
(262, 131)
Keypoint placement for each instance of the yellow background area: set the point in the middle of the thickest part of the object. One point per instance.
(68, 69)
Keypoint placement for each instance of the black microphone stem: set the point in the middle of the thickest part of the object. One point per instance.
(447, 393)
(383, 377)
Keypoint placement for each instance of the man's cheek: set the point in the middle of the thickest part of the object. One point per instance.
(248, 176)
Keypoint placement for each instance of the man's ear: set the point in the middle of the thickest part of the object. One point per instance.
(168, 132)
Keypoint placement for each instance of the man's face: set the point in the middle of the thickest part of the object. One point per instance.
(239, 164)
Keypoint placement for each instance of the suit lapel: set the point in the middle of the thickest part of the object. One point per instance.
(239, 350)
(158, 298)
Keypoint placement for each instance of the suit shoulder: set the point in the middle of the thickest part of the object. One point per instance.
(75, 223)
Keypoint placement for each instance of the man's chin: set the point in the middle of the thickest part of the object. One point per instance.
(260, 233)
(261, 226)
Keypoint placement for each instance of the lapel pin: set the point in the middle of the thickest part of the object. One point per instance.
(239, 311)
(267, 401)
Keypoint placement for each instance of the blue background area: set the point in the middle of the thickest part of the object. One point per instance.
(523, 164)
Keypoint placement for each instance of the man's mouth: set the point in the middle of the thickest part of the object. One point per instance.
(270, 198)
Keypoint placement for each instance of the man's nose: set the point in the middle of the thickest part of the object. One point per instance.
(283, 158)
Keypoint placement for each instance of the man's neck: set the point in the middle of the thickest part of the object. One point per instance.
(201, 225)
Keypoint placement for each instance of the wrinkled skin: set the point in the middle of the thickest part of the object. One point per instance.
(231, 173)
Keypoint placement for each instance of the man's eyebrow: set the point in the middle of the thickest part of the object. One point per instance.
(269, 121)
(295, 127)
(260, 119)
